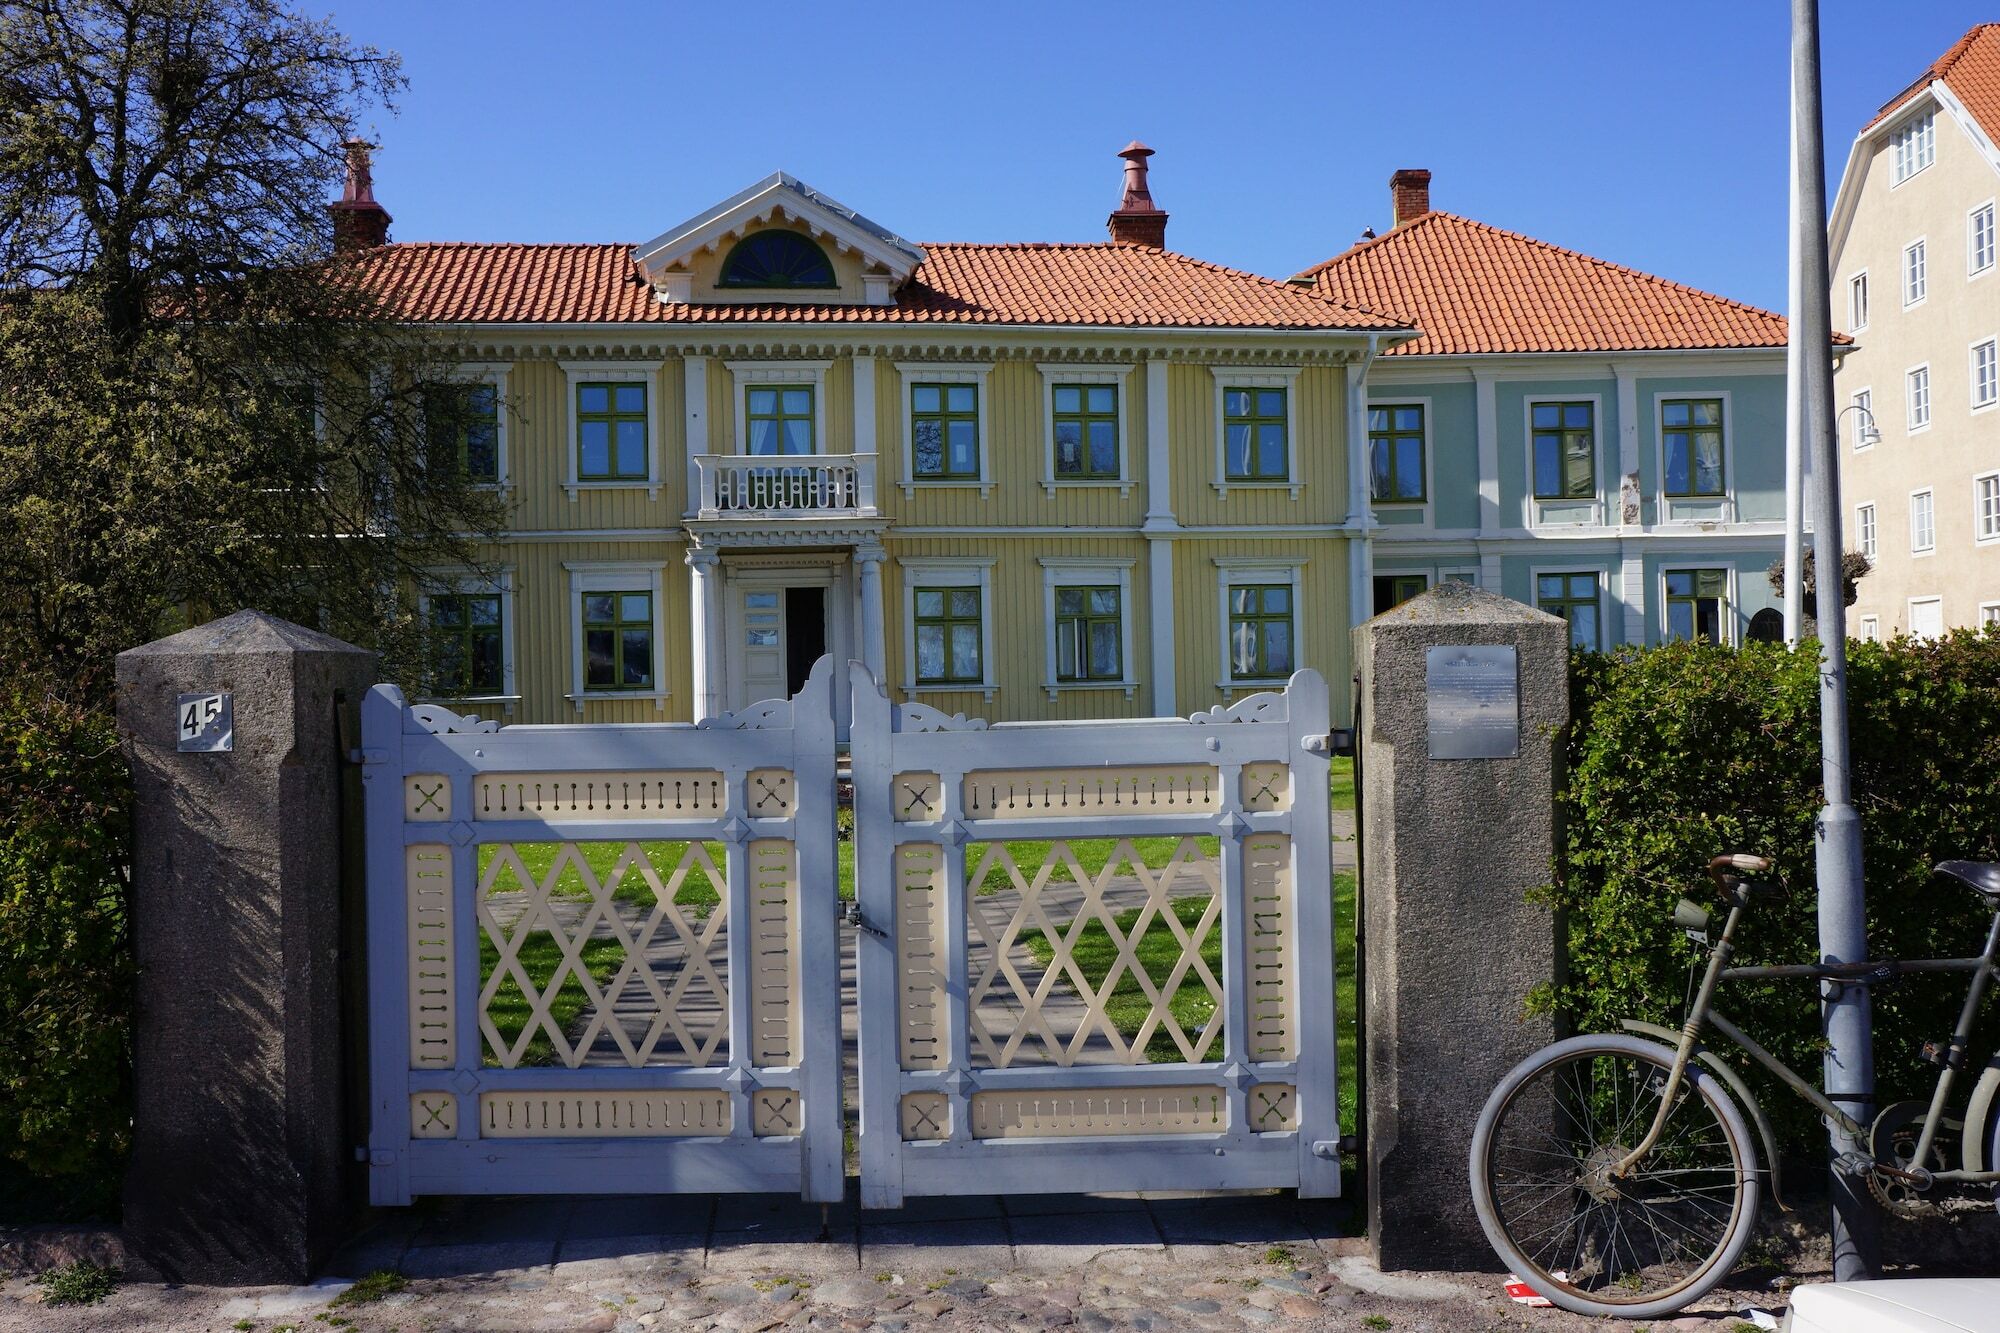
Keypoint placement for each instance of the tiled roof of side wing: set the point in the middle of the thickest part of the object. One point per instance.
(1473, 288)
(1104, 284)
(1971, 69)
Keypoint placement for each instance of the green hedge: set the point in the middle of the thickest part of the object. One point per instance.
(65, 961)
(1679, 752)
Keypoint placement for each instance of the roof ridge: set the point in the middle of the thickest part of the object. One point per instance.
(1540, 244)
(1938, 69)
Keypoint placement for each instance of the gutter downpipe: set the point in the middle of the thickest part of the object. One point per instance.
(1360, 513)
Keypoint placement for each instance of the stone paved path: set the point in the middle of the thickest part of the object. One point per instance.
(1219, 1264)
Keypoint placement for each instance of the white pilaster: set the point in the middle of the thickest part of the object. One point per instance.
(1160, 528)
(694, 440)
(1630, 511)
(1487, 426)
(868, 559)
(1160, 623)
(1159, 446)
(1360, 513)
(708, 632)
(864, 405)
(1632, 581)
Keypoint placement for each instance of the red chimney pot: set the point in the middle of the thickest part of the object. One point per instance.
(359, 223)
(1138, 220)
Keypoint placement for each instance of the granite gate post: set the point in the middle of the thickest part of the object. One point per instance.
(239, 1144)
(1464, 697)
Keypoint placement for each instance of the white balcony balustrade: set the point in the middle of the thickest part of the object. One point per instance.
(765, 487)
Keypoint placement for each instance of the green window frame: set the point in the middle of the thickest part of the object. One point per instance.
(467, 636)
(1085, 425)
(1564, 442)
(1396, 454)
(464, 425)
(1392, 590)
(944, 431)
(1090, 634)
(779, 421)
(1693, 449)
(1263, 633)
(618, 647)
(611, 431)
(949, 636)
(1574, 597)
(1256, 434)
(1697, 603)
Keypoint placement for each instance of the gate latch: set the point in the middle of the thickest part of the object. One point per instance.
(852, 916)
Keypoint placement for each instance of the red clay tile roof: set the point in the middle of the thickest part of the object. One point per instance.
(1971, 69)
(1473, 288)
(1127, 286)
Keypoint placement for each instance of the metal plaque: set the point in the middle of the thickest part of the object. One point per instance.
(206, 722)
(1474, 698)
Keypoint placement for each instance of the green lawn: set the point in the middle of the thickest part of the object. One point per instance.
(1157, 951)
(698, 891)
(1345, 1050)
(539, 956)
(1090, 853)
(1341, 782)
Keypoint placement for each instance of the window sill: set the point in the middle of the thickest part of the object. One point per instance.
(946, 484)
(463, 700)
(985, 691)
(1050, 485)
(1223, 488)
(658, 697)
(1056, 687)
(651, 488)
(1231, 688)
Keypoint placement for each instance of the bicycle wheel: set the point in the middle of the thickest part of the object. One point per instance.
(1635, 1247)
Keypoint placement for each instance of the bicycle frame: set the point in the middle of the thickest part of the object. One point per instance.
(1983, 969)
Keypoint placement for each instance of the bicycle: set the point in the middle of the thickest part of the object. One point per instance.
(1617, 1174)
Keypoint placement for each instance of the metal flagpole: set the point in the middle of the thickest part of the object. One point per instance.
(1849, 1062)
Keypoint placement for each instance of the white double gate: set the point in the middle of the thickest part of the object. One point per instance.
(1090, 956)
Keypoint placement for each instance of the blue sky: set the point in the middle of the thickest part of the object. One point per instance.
(1649, 134)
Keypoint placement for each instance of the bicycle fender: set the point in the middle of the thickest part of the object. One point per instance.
(1734, 1082)
(1979, 1116)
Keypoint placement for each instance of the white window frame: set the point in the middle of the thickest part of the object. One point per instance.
(948, 572)
(1866, 532)
(1912, 426)
(1595, 518)
(469, 583)
(1599, 575)
(586, 576)
(1863, 398)
(748, 375)
(1071, 572)
(1266, 377)
(1917, 276)
(1991, 343)
(1920, 552)
(1118, 374)
(1695, 564)
(1232, 570)
(1871, 629)
(1913, 147)
(1973, 268)
(1857, 301)
(1989, 614)
(496, 374)
(1981, 535)
(1727, 500)
(612, 372)
(1910, 615)
(979, 374)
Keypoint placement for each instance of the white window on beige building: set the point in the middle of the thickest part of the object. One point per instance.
(1864, 420)
(1979, 240)
(1986, 508)
(1926, 617)
(1923, 523)
(1985, 374)
(1864, 529)
(1871, 629)
(1989, 615)
(1916, 272)
(1917, 398)
(1916, 146)
(1857, 302)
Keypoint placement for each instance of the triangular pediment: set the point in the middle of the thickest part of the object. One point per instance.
(671, 260)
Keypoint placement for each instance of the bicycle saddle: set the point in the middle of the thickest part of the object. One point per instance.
(1982, 877)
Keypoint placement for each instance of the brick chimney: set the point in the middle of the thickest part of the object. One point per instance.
(359, 223)
(1409, 195)
(1137, 220)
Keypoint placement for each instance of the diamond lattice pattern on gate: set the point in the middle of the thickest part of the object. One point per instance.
(601, 959)
(1116, 967)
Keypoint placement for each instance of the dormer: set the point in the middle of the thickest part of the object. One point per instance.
(780, 242)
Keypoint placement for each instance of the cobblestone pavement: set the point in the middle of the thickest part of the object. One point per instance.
(747, 1264)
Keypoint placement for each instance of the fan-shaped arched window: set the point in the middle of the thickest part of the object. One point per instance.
(776, 258)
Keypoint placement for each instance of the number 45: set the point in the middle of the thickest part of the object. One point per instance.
(200, 713)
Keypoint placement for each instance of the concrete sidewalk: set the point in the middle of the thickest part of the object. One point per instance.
(744, 1264)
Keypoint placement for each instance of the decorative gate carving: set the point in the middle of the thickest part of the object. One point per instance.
(603, 958)
(1095, 955)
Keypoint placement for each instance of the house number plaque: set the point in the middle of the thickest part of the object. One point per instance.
(1474, 700)
(206, 723)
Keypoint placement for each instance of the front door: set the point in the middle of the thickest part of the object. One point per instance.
(760, 668)
(780, 623)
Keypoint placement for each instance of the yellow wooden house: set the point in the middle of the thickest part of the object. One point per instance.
(1019, 481)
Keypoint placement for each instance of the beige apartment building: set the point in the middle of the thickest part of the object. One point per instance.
(1912, 250)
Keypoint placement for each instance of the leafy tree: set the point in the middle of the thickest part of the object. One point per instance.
(1854, 567)
(202, 406)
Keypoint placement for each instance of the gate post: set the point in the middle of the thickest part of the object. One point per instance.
(1464, 698)
(238, 1136)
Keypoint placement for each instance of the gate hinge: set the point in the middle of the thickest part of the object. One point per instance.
(1328, 1148)
(852, 916)
(1339, 741)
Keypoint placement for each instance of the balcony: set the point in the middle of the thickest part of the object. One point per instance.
(763, 488)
